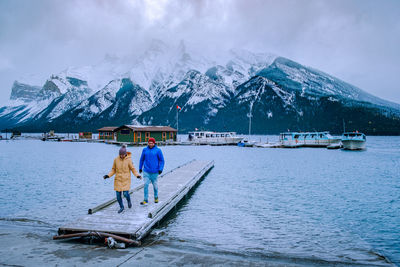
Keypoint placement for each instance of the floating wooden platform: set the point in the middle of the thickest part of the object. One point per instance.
(135, 223)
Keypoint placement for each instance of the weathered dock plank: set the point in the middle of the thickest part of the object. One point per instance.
(136, 223)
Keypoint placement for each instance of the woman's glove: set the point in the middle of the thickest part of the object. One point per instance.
(106, 176)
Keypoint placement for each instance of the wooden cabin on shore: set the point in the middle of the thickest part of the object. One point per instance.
(138, 134)
(85, 135)
(107, 133)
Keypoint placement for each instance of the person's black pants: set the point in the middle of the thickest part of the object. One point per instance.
(119, 198)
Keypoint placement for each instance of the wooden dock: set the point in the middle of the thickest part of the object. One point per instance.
(132, 225)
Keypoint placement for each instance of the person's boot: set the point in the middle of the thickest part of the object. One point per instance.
(121, 210)
(144, 202)
(156, 200)
(129, 204)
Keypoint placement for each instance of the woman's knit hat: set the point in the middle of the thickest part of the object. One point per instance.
(122, 150)
(151, 139)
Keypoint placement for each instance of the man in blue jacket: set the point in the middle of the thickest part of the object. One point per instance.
(152, 163)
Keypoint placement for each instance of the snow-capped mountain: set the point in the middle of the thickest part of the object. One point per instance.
(26, 101)
(220, 93)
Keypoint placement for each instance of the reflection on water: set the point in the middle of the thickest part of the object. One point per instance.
(306, 205)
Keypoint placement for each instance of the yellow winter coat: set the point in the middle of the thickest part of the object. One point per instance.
(121, 168)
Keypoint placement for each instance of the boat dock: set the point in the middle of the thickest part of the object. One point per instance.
(132, 225)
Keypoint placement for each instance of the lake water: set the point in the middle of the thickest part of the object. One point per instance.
(306, 206)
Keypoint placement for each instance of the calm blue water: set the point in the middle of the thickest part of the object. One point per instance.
(308, 205)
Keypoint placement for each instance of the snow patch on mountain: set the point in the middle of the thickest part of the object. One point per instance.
(140, 103)
(60, 82)
(257, 86)
(99, 75)
(199, 88)
(99, 101)
(69, 100)
(22, 111)
(23, 92)
(66, 93)
(162, 67)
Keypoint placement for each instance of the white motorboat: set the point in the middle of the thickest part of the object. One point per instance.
(354, 141)
(213, 138)
(308, 139)
(51, 136)
(246, 143)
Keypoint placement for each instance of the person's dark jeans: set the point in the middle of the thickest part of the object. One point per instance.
(119, 198)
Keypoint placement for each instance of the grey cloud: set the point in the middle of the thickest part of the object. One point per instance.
(354, 40)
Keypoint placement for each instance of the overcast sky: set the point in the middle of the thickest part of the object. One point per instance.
(357, 41)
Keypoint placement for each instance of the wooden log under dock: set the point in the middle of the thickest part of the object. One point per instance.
(132, 225)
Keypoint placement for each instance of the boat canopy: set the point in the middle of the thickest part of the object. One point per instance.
(212, 134)
(307, 135)
(354, 135)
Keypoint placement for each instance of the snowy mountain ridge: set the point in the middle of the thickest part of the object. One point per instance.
(146, 88)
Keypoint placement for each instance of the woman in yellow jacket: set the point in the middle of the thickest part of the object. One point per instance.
(122, 167)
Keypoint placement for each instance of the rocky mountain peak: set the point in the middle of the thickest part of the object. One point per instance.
(24, 92)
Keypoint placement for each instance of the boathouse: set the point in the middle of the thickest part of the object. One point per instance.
(107, 133)
(139, 134)
(85, 135)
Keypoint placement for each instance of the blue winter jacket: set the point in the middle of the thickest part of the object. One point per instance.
(152, 159)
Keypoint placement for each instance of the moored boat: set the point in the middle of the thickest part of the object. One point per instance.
(354, 141)
(50, 136)
(307, 139)
(214, 138)
(246, 143)
(319, 139)
(290, 140)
